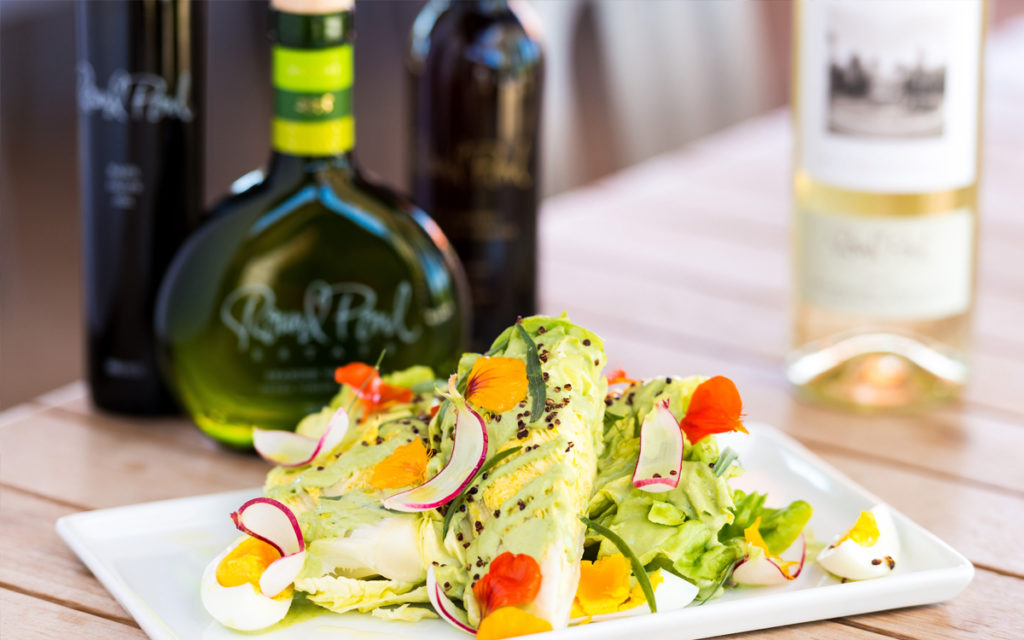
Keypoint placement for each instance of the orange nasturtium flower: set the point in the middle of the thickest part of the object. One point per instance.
(497, 384)
(618, 376)
(405, 467)
(714, 408)
(512, 578)
(510, 622)
(373, 393)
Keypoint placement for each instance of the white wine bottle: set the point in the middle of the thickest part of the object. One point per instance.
(887, 121)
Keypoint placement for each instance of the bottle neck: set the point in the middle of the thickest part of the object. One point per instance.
(312, 73)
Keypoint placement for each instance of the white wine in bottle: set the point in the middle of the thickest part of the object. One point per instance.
(887, 117)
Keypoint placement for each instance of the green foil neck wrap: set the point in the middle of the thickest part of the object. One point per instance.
(312, 75)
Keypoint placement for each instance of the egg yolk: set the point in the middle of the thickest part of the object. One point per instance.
(604, 587)
(246, 563)
(864, 531)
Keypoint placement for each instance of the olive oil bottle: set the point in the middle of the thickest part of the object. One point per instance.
(477, 73)
(311, 268)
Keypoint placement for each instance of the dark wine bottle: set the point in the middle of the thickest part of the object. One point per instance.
(311, 268)
(477, 75)
(139, 74)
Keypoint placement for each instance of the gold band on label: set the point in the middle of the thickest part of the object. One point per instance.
(814, 195)
(324, 138)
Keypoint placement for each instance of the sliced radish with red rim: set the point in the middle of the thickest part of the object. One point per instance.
(771, 571)
(661, 451)
(272, 522)
(445, 607)
(469, 450)
(293, 450)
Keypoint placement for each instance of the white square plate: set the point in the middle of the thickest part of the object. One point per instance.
(151, 556)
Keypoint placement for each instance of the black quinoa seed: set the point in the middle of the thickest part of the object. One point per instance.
(465, 545)
(319, 468)
(473, 490)
(545, 376)
(479, 562)
(497, 418)
(586, 342)
(447, 586)
(497, 513)
(476, 576)
(380, 440)
(657, 475)
(876, 561)
(462, 508)
(568, 387)
(522, 433)
(365, 443)
(459, 536)
(672, 472)
(541, 329)
(479, 526)
(521, 504)
(892, 563)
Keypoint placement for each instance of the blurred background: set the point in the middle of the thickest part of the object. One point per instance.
(608, 105)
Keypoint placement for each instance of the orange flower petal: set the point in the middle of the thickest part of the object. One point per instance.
(496, 383)
(509, 622)
(714, 408)
(373, 393)
(618, 376)
(405, 467)
(510, 580)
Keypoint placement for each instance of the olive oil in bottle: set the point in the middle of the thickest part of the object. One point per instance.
(311, 268)
(477, 69)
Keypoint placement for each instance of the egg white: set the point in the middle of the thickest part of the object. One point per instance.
(242, 607)
(855, 562)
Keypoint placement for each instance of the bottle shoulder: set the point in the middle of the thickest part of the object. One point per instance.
(501, 41)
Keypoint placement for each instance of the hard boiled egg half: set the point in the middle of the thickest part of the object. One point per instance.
(249, 585)
(870, 549)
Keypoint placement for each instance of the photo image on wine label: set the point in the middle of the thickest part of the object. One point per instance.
(886, 73)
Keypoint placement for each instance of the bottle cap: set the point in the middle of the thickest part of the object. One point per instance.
(312, 7)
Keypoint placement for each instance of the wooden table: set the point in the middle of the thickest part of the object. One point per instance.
(682, 265)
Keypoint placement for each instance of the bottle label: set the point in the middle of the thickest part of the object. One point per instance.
(313, 101)
(888, 93)
(887, 267)
(331, 314)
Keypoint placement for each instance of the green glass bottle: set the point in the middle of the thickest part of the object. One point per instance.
(310, 268)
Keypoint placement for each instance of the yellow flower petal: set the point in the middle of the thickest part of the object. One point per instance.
(604, 586)
(497, 384)
(509, 622)
(405, 467)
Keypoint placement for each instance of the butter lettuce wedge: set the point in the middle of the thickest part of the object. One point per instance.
(530, 501)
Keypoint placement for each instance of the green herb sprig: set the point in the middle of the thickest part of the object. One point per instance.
(638, 569)
(726, 574)
(725, 460)
(538, 390)
(455, 504)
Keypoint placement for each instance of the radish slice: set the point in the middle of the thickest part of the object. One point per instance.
(280, 573)
(272, 522)
(293, 450)
(468, 453)
(445, 607)
(661, 451)
(765, 571)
